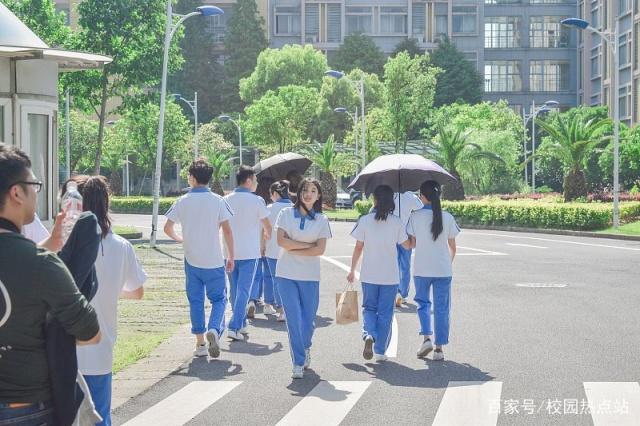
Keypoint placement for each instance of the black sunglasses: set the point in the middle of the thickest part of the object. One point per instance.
(37, 184)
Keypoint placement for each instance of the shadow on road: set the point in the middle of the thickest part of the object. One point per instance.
(209, 370)
(256, 349)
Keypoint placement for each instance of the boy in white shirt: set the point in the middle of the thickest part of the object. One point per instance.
(251, 217)
(202, 213)
(406, 202)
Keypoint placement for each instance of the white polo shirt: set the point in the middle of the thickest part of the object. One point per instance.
(406, 202)
(431, 258)
(35, 231)
(249, 210)
(272, 248)
(117, 269)
(200, 212)
(306, 230)
(379, 262)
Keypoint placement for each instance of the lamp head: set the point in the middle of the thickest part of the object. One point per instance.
(575, 22)
(334, 74)
(209, 10)
(177, 96)
(340, 110)
(552, 103)
(224, 118)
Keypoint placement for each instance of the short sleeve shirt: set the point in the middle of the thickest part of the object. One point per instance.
(249, 210)
(272, 249)
(406, 202)
(306, 230)
(200, 213)
(379, 257)
(431, 258)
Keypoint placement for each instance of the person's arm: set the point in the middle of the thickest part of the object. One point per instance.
(227, 234)
(136, 294)
(452, 248)
(288, 244)
(355, 258)
(93, 341)
(169, 229)
(407, 244)
(266, 228)
(54, 241)
(412, 242)
(317, 249)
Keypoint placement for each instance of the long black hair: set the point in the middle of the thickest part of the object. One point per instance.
(317, 206)
(281, 188)
(430, 189)
(95, 198)
(383, 201)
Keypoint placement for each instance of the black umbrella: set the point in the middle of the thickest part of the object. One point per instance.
(278, 166)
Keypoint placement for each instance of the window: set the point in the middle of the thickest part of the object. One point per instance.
(334, 23)
(636, 34)
(546, 31)
(359, 20)
(464, 20)
(312, 22)
(39, 154)
(552, 1)
(623, 6)
(549, 76)
(502, 76)
(419, 18)
(287, 20)
(595, 22)
(501, 32)
(595, 62)
(580, 72)
(636, 100)
(624, 49)
(502, 1)
(442, 24)
(393, 20)
(624, 102)
(216, 26)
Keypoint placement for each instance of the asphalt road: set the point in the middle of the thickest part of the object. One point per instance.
(544, 330)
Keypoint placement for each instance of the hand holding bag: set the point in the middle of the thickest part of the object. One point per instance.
(347, 306)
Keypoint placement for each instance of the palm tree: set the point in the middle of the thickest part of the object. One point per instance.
(325, 157)
(221, 163)
(572, 139)
(450, 150)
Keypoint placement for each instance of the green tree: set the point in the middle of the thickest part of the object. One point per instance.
(331, 164)
(459, 81)
(43, 19)
(291, 65)
(209, 136)
(409, 45)
(221, 161)
(358, 51)
(244, 41)
(629, 159)
(571, 138)
(132, 34)
(84, 134)
(410, 87)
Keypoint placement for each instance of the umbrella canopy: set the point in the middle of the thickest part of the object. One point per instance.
(402, 172)
(280, 165)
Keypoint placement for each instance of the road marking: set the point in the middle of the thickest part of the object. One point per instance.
(469, 403)
(327, 404)
(479, 252)
(613, 403)
(526, 245)
(392, 350)
(185, 404)
(555, 241)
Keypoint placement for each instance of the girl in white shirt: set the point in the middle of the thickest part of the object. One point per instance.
(280, 196)
(377, 235)
(302, 234)
(432, 232)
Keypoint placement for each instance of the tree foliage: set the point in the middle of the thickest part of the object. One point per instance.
(409, 45)
(358, 51)
(43, 19)
(459, 80)
(84, 135)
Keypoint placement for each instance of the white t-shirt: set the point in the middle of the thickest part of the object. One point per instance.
(35, 231)
(272, 248)
(306, 230)
(117, 269)
(406, 202)
(379, 255)
(431, 258)
(200, 213)
(249, 210)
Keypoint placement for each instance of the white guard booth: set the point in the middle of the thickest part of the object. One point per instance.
(29, 99)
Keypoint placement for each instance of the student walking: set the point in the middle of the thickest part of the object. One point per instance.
(432, 232)
(377, 235)
(302, 234)
(249, 221)
(280, 197)
(201, 214)
(406, 202)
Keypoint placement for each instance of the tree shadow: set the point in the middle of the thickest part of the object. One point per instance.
(268, 321)
(212, 369)
(437, 374)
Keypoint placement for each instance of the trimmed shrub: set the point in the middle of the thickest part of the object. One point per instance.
(363, 207)
(139, 205)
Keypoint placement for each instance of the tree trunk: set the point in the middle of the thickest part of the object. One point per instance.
(329, 189)
(455, 191)
(102, 118)
(115, 183)
(575, 185)
(216, 187)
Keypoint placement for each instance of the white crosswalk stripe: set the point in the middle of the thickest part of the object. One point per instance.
(469, 403)
(614, 403)
(182, 406)
(327, 404)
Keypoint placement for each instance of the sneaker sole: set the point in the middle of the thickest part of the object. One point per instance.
(424, 353)
(367, 353)
(214, 348)
(251, 312)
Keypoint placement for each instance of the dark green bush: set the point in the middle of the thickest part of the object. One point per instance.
(139, 205)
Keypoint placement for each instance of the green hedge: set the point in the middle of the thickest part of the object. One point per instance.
(139, 205)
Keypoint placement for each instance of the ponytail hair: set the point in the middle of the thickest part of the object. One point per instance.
(383, 201)
(281, 188)
(431, 191)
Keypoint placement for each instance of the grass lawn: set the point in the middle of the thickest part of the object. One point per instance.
(120, 229)
(341, 214)
(632, 228)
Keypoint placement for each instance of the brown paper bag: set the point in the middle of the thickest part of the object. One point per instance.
(347, 307)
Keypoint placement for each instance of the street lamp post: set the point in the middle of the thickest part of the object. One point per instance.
(194, 108)
(533, 113)
(354, 118)
(611, 38)
(360, 88)
(170, 29)
(67, 136)
(226, 118)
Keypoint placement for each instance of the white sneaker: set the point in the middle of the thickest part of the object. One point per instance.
(438, 355)
(200, 350)
(380, 357)
(298, 372)
(367, 352)
(399, 300)
(235, 335)
(425, 349)
(251, 309)
(307, 358)
(281, 317)
(244, 331)
(269, 310)
(214, 343)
